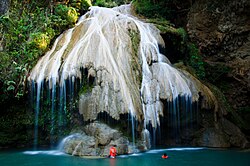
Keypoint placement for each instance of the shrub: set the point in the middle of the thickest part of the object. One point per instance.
(150, 9)
(25, 34)
(105, 3)
(67, 13)
(85, 4)
(39, 40)
(195, 60)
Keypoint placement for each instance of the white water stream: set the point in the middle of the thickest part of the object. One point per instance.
(117, 49)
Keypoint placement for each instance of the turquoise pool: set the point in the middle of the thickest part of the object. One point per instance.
(177, 157)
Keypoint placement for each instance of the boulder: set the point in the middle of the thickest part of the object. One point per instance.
(102, 132)
(212, 137)
(96, 140)
(236, 137)
(80, 145)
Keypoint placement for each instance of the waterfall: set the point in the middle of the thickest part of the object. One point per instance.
(62, 143)
(120, 55)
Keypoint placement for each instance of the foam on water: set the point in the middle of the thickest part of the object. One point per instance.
(122, 156)
(48, 152)
(136, 154)
(175, 149)
(183, 149)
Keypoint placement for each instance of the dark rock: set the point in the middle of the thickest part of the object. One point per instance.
(221, 29)
(4, 6)
(236, 137)
(212, 137)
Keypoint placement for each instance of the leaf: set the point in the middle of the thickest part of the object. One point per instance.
(18, 95)
(18, 68)
(24, 70)
(10, 88)
(11, 82)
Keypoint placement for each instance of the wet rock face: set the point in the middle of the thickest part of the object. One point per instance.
(235, 136)
(224, 134)
(80, 145)
(102, 133)
(213, 138)
(222, 31)
(4, 6)
(219, 133)
(219, 26)
(96, 140)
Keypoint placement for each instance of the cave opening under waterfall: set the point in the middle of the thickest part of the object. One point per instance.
(62, 103)
(180, 116)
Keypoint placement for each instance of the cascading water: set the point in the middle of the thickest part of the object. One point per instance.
(121, 55)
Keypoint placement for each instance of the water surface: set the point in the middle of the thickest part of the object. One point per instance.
(177, 157)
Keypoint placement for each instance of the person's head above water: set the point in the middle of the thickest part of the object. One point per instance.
(164, 156)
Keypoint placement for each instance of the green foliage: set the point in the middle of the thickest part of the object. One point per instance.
(80, 4)
(182, 32)
(86, 86)
(26, 34)
(150, 9)
(67, 13)
(177, 39)
(105, 3)
(216, 72)
(109, 3)
(166, 27)
(15, 125)
(86, 3)
(39, 40)
(18, 53)
(195, 60)
(135, 40)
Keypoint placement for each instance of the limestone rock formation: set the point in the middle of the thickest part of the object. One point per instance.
(96, 140)
(112, 61)
(80, 145)
(121, 55)
(102, 132)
